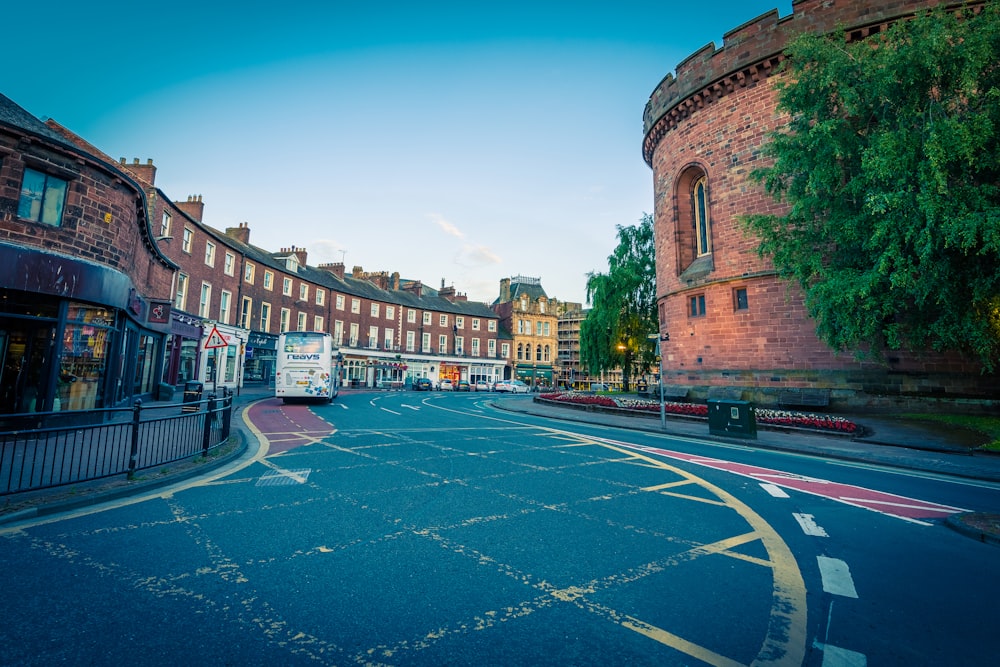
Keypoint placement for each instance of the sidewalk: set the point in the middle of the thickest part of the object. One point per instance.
(888, 442)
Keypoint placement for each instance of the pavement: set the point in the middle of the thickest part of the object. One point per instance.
(886, 441)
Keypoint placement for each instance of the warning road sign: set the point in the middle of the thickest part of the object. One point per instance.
(215, 340)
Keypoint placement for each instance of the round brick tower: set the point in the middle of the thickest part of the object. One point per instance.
(733, 325)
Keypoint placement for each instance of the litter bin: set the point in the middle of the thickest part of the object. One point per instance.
(733, 418)
(192, 394)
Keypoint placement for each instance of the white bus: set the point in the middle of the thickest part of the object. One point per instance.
(307, 366)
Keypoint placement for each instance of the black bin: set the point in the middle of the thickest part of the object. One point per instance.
(192, 394)
(732, 418)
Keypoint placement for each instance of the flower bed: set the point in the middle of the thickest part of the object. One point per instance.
(763, 416)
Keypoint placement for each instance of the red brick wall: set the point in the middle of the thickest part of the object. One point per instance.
(101, 219)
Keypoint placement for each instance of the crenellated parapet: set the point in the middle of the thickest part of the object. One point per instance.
(753, 52)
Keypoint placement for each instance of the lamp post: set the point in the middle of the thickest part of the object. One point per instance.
(659, 374)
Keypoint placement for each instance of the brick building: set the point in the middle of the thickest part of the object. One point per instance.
(732, 322)
(109, 290)
(84, 290)
(533, 321)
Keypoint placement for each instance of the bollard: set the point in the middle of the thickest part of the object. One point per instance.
(134, 451)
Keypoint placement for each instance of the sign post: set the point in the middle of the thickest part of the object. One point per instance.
(216, 341)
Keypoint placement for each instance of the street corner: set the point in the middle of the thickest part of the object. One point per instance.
(980, 526)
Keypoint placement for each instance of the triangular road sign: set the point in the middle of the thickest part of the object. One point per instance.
(215, 340)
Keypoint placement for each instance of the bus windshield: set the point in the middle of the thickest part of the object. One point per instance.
(302, 343)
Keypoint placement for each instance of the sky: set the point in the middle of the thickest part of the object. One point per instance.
(454, 143)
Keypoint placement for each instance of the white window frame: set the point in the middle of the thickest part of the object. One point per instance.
(265, 317)
(205, 300)
(180, 297)
(225, 304)
(209, 254)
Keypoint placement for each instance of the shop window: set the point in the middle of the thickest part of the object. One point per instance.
(42, 198)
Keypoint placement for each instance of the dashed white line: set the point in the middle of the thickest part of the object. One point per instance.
(775, 490)
(836, 577)
(809, 525)
(834, 656)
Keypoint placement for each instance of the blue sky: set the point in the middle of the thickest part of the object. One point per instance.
(455, 142)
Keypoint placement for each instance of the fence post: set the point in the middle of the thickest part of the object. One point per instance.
(134, 452)
(227, 415)
(210, 416)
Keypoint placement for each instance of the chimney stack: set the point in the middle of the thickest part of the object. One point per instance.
(193, 207)
(143, 172)
(241, 233)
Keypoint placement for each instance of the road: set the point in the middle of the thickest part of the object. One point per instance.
(425, 529)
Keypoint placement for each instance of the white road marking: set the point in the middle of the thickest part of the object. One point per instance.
(836, 577)
(392, 411)
(809, 526)
(834, 656)
(411, 407)
(775, 490)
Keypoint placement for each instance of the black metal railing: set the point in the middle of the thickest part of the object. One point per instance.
(94, 444)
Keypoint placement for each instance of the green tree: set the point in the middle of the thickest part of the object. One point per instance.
(890, 169)
(623, 306)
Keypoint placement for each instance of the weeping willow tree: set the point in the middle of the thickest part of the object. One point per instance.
(623, 307)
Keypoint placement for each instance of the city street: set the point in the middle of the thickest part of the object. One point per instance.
(412, 528)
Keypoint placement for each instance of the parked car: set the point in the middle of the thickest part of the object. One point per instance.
(446, 385)
(463, 385)
(423, 384)
(483, 385)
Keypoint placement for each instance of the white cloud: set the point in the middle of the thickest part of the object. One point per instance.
(447, 227)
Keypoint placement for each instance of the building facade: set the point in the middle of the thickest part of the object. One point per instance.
(532, 318)
(109, 290)
(731, 321)
(84, 290)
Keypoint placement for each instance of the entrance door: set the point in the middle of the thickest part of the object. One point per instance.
(26, 353)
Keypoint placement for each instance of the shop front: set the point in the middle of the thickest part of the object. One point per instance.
(182, 351)
(534, 375)
(222, 357)
(261, 357)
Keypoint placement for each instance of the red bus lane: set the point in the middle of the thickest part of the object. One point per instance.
(286, 426)
(901, 507)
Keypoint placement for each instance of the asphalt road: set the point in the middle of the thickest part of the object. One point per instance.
(430, 529)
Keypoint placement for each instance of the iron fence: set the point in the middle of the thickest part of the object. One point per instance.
(60, 448)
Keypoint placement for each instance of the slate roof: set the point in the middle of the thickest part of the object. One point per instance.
(15, 116)
(356, 286)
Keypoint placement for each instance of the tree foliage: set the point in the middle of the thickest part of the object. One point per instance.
(623, 306)
(890, 168)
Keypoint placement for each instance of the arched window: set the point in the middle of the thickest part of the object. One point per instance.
(538, 353)
(693, 224)
(703, 225)
(520, 351)
(548, 353)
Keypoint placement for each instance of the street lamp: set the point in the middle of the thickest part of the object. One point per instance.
(659, 374)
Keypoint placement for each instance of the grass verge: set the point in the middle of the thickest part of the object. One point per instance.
(988, 426)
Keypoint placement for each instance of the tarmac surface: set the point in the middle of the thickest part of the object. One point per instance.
(886, 441)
